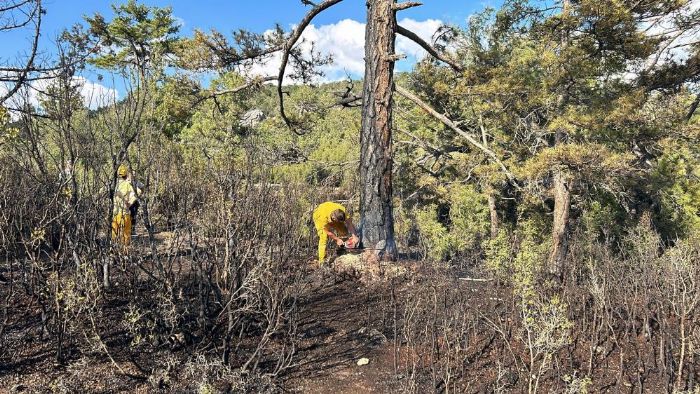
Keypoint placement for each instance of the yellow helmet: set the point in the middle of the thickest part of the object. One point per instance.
(123, 170)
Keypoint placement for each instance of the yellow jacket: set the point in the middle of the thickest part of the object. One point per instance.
(322, 213)
(322, 221)
(124, 197)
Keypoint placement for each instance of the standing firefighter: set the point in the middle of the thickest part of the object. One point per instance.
(331, 220)
(124, 198)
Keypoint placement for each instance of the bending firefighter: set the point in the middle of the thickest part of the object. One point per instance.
(124, 199)
(331, 220)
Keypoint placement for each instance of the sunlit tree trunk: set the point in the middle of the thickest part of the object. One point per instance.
(377, 221)
(562, 206)
(493, 213)
(562, 193)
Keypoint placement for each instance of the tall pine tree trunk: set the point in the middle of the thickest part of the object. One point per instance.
(377, 221)
(562, 193)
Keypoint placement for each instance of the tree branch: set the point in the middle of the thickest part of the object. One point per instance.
(253, 82)
(289, 44)
(693, 108)
(410, 96)
(429, 48)
(21, 78)
(13, 6)
(228, 56)
(405, 6)
(432, 149)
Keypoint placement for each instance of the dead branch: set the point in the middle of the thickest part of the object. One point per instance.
(405, 6)
(24, 72)
(289, 44)
(429, 48)
(347, 99)
(13, 6)
(250, 83)
(405, 93)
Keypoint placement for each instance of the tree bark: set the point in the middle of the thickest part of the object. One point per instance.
(493, 213)
(562, 205)
(377, 220)
(562, 193)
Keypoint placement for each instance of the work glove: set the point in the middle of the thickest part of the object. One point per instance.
(352, 242)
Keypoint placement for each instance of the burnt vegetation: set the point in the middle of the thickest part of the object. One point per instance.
(529, 199)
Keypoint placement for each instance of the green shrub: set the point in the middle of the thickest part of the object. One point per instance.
(467, 226)
(433, 235)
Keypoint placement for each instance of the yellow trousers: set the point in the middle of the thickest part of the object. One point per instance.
(121, 229)
(338, 229)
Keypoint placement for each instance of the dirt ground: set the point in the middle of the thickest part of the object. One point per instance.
(343, 318)
(339, 325)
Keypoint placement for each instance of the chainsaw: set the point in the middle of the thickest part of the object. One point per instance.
(351, 247)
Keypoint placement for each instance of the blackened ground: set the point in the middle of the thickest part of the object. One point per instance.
(341, 320)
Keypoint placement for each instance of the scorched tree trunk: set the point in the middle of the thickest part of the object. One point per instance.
(377, 221)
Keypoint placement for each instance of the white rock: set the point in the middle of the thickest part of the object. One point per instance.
(363, 361)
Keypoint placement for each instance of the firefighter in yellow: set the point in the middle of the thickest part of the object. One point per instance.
(331, 220)
(124, 198)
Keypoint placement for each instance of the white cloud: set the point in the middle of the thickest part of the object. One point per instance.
(179, 22)
(93, 94)
(96, 95)
(425, 30)
(345, 41)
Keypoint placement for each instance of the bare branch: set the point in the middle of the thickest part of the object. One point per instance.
(213, 95)
(289, 44)
(13, 6)
(21, 78)
(350, 101)
(395, 57)
(429, 48)
(410, 96)
(253, 82)
(406, 5)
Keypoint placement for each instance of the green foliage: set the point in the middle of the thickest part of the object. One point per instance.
(530, 259)
(604, 219)
(577, 385)
(469, 216)
(468, 223)
(546, 91)
(677, 178)
(434, 235)
(7, 132)
(499, 254)
(175, 104)
(600, 164)
(137, 35)
(62, 98)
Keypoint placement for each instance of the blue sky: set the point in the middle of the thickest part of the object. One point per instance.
(255, 15)
(339, 30)
(229, 15)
